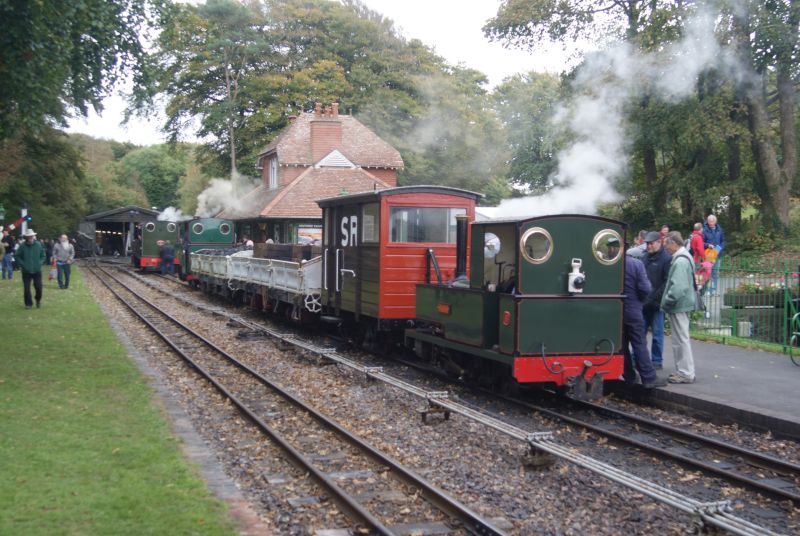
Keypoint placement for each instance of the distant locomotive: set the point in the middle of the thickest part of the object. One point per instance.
(146, 250)
(526, 301)
(204, 234)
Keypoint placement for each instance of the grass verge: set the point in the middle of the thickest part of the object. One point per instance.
(84, 448)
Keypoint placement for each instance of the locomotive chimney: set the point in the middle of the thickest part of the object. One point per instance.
(461, 247)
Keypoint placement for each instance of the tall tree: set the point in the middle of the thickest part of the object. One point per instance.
(58, 57)
(206, 53)
(766, 38)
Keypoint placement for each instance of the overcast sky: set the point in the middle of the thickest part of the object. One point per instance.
(451, 27)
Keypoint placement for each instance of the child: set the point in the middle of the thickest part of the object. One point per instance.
(703, 274)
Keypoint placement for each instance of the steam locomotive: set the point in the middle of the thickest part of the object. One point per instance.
(528, 301)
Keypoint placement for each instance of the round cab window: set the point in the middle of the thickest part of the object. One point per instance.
(536, 245)
(197, 228)
(607, 246)
(225, 229)
(150, 227)
(171, 227)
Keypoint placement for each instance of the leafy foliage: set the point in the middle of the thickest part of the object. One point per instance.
(45, 174)
(59, 57)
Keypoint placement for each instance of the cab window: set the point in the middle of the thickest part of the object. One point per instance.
(423, 224)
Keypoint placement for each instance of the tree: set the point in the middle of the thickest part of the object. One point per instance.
(525, 104)
(206, 55)
(157, 169)
(45, 174)
(58, 57)
(766, 39)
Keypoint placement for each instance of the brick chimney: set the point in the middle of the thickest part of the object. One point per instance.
(326, 131)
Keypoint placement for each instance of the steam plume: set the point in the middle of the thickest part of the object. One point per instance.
(607, 82)
(230, 195)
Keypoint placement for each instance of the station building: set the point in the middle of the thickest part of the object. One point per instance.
(320, 154)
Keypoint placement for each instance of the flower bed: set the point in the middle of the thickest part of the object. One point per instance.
(739, 300)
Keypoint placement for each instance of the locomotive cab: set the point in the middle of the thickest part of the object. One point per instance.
(544, 303)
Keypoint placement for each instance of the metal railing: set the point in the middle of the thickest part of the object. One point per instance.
(751, 300)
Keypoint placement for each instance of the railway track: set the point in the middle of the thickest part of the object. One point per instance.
(754, 470)
(712, 514)
(377, 492)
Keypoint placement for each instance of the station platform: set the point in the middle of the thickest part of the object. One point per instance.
(751, 387)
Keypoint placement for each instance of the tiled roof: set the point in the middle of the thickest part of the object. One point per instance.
(298, 199)
(360, 145)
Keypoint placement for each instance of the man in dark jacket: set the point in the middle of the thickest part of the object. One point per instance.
(656, 264)
(167, 258)
(714, 237)
(637, 290)
(30, 257)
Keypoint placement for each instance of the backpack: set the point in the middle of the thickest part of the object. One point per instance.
(688, 245)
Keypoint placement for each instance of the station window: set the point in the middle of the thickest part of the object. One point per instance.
(149, 227)
(273, 173)
(607, 246)
(536, 245)
(197, 228)
(423, 224)
(171, 227)
(370, 223)
(225, 229)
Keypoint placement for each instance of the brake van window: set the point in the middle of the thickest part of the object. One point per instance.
(418, 224)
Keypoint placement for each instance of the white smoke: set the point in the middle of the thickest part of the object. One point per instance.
(173, 214)
(230, 195)
(605, 84)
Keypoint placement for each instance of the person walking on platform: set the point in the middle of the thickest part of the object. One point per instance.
(30, 257)
(167, 258)
(64, 255)
(678, 301)
(637, 289)
(656, 264)
(714, 237)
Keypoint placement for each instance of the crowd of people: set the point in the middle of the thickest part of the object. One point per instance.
(665, 275)
(30, 256)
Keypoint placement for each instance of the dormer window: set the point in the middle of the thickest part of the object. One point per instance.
(273, 173)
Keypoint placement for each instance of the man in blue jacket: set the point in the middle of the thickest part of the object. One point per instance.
(637, 289)
(656, 264)
(714, 236)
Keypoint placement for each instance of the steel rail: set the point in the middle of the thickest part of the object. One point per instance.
(710, 514)
(764, 460)
(435, 496)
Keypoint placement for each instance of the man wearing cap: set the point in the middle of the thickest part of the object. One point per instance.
(637, 289)
(30, 257)
(656, 264)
